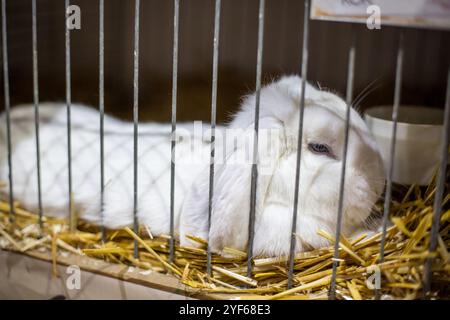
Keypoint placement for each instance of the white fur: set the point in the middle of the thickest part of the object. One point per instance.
(279, 111)
(153, 166)
(324, 122)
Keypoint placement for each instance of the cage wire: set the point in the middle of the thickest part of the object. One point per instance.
(145, 149)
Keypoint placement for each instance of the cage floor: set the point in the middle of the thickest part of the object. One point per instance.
(400, 274)
(29, 276)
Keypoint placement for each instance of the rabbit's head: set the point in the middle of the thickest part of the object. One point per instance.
(320, 170)
(321, 162)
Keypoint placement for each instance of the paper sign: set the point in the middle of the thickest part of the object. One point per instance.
(409, 13)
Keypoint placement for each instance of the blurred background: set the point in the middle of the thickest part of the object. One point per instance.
(427, 55)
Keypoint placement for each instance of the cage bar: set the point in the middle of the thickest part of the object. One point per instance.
(101, 106)
(176, 19)
(7, 111)
(259, 56)
(388, 193)
(397, 95)
(72, 226)
(440, 186)
(349, 96)
(135, 123)
(36, 107)
(299, 143)
(213, 122)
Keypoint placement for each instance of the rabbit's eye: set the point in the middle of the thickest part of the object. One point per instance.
(320, 148)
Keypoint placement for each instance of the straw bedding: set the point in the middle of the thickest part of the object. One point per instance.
(401, 272)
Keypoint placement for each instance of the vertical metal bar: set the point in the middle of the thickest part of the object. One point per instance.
(176, 19)
(101, 106)
(36, 108)
(135, 121)
(397, 95)
(350, 78)
(213, 121)
(72, 225)
(388, 193)
(299, 144)
(437, 205)
(251, 223)
(7, 111)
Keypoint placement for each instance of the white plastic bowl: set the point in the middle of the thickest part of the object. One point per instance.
(418, 141)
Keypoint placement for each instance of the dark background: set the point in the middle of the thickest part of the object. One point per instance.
(424, 79)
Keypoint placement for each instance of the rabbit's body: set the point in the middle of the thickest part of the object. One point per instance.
(153, 166)
(324, 124)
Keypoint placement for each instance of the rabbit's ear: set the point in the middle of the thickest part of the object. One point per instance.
(232, 187)
(292, 85)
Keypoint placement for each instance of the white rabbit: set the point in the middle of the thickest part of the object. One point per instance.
(279, 113)
(322, 147)
(154, 149)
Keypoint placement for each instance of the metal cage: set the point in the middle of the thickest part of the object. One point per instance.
(215, 75)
